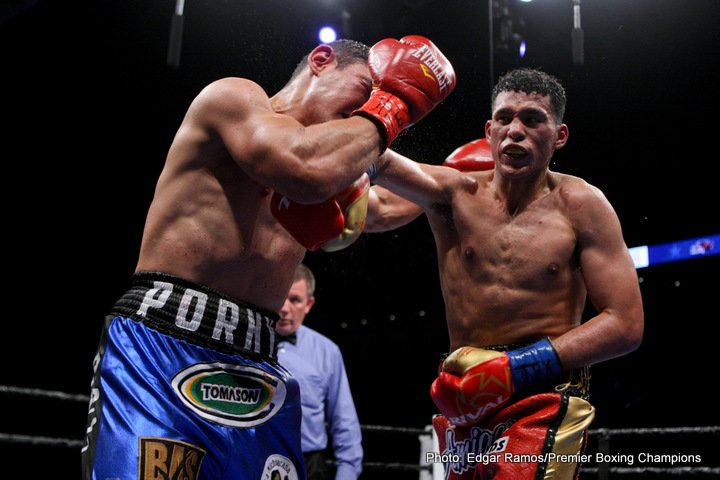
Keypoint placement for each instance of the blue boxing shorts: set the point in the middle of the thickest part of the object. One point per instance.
(186, 386)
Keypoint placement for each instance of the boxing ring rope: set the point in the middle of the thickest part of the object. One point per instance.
(428, 443)
(40, 441)
(37, 392)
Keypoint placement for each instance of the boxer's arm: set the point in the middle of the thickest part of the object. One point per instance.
(388, 211)
(611, 281)
(308, 164)
(420, 183)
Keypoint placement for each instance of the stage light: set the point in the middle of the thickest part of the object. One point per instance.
(327, 35)
(522, 49)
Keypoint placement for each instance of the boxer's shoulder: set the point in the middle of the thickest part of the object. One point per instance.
(232, 93)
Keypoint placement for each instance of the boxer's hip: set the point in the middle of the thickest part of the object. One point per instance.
(198, 314)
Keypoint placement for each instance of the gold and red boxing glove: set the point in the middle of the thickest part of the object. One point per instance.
(474, 156)
(353, 201)
(331, 225)
(474, 382)
(411, 76)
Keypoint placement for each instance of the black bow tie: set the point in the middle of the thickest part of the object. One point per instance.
(292, 338)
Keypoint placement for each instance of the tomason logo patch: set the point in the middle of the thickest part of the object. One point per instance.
(232, 395)
(161, 458)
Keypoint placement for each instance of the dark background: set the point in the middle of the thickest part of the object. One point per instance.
(89, 107)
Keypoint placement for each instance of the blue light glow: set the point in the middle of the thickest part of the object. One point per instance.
(648, 255)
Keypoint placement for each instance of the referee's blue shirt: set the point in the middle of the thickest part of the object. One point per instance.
(317, 364)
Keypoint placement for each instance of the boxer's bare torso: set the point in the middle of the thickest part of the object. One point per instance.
(210, 221)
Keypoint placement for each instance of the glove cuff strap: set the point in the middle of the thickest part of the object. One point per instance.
(534, 363)
(390, 114)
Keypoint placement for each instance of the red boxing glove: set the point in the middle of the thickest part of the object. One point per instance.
(353, 201)
(333, 224)
(310, 225)
(410, 77)
(471, 157)
(474, 383)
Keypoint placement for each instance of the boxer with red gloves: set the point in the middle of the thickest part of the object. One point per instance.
(215, 265)
(411, 76)
(520, 249)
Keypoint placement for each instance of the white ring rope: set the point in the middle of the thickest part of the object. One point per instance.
(604, 434)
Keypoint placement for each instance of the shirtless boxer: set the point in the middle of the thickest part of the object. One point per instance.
(520, 248)
(186, 382)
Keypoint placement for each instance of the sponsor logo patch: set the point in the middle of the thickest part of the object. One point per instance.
(278, 467)
(232, 395)
(162, 458)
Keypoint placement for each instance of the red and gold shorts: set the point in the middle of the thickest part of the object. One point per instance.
(540, 436)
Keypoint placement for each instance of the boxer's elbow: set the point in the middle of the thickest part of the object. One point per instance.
(634, 328)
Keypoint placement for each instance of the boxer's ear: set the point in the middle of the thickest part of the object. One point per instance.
(320, 58)
(562, 136)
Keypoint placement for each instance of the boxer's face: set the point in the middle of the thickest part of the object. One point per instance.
(338, 92)
(523, 132)
(296, 306)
